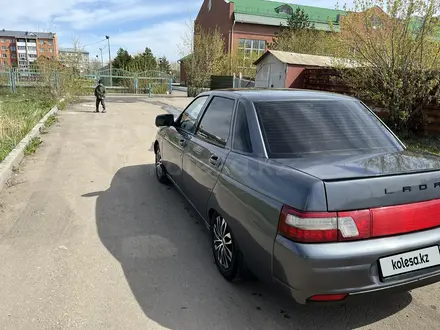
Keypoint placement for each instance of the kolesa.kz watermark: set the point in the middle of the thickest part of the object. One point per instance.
(409, 262)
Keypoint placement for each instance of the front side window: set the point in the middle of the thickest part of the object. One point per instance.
(191, 113)
(216, 122)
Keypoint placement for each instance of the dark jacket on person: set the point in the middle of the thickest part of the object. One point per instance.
(100, 91)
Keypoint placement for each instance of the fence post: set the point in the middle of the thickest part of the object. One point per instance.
(171, 86)
(136, 82)
(149, 90)
(13, 80)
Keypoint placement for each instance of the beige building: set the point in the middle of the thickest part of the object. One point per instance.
(75, 58)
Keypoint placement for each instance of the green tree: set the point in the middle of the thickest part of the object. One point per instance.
(300, 36)
(143, 62)
(299, 20)
(398, 52)
(164, 64)
(208, 58)
(122, 59)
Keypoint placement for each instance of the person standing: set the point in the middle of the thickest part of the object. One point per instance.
(100, 96)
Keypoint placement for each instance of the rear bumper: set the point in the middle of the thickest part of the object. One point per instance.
(305, 270)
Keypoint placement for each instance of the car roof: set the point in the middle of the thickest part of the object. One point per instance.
(272, 94)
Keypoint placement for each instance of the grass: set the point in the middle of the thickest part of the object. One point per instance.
(32, 146)
(19, 113)
(52, 119)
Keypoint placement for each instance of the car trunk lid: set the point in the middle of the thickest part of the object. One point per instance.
(354, 182)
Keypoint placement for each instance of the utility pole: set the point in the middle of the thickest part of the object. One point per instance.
(110, 60)
(102, 59)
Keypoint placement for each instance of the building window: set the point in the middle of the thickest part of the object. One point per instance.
(249, 51)
(285, 9)
(50, 43)
(50, 50)
(13, 56)
(22, 55)
(41, 42)
(32, 48)
(13, 49)
(21, 47)
(3, 40)
(4, 55)
(3, 47)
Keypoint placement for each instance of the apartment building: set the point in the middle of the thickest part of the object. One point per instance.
(20, 48)
(76, 58)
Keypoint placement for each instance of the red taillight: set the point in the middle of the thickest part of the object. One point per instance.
(406, 218)
(320, 227)
(328, 297)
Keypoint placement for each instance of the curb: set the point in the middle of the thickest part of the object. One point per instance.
(15, 157)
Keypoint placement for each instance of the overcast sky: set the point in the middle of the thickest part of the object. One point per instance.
(131, 24)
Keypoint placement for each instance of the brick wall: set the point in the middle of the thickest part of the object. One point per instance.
(252, 31)
(219, 16)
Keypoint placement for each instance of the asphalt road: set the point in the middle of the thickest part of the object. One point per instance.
(90, 240)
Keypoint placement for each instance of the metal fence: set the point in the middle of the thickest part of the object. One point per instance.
(243, 83)
(146, 82)
(119, 81)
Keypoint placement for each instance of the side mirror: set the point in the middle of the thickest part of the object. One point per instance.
(165, 120)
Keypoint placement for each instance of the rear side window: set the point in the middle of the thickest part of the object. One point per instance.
(242, 138)
(305, 127)
(215, 125)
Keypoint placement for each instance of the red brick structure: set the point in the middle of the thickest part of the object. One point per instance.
(248, 26)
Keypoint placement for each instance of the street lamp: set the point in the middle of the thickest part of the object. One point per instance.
(110, 60)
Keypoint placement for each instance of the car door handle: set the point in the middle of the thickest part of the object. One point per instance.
(182, 142)
(215, 160)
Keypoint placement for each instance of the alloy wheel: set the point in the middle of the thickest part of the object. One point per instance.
(223, 243)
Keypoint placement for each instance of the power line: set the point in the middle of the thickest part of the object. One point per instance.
(93, 43)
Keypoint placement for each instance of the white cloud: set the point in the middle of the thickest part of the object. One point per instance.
(162, 39)
(82, 18)
(131, 24)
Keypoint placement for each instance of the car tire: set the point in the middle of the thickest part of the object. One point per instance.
(227, 257)
(160, 169)
(224, 248)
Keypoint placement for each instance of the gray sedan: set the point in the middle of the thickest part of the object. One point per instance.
(307, 190)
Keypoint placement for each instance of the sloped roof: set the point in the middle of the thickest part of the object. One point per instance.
(26, 34)
(72, 50)
(304, 59)
(267, 9)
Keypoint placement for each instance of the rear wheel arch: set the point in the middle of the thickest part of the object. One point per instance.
(242, 271)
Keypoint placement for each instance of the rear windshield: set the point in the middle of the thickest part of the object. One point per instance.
(308, 127)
